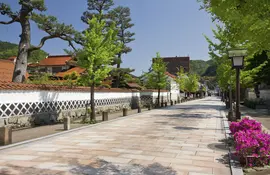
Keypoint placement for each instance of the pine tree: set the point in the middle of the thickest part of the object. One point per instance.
(97, 7)
(49, 24)
(121, 16)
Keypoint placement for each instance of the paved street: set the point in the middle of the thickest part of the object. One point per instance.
(177, 140)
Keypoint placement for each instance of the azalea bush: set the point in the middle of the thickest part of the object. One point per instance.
(244, 125)
(253, 147)
(251, 143)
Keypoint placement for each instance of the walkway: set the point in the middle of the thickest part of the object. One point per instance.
(177, 140)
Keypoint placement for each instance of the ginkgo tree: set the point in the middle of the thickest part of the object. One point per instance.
(246, 22)
(99, 49)
(157, 78)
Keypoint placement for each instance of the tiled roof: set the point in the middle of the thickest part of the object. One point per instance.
(21, 86)
(134, 85)
(74, 69)
(56, 60)
(170, 75)
(6, 70)
(154, 90)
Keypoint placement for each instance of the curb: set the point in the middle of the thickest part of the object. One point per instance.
(235, 167)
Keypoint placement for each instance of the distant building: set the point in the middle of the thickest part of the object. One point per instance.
(51, 64)
(174, 63)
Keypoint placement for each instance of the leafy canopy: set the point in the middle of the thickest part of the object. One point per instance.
(246, 22)
(180, 79)
(191, 83)
(98, 51)
(157, 78)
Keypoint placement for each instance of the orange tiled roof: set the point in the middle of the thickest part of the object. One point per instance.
(134, 85)
(57, 60)
(170, 75)
(6, 70)
(78, 70)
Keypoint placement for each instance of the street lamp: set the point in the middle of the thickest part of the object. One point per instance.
(237, 57)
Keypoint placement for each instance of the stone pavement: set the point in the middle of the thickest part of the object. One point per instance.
(169, 141)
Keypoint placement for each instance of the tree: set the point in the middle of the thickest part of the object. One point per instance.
(245, 22)
(157, 78)
(180, 79)
(49, 24)
(198, 66)
(124, 77)
(97, 54)
(97, 7)
(121, 16)
(192, 83)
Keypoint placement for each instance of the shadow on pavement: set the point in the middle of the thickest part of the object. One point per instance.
(193, 115)
(224, 159)
(194, 106)
(99, 167)
(95, 167)
(193, 128)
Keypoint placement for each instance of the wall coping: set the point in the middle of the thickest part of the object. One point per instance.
(23, 86)
(45, 87)
(154, 90)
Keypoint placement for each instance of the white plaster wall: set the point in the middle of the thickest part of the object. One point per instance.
(12, 96)
(264, 94)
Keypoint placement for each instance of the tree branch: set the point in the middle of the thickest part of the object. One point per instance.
(42, 42)
(6, 10)
(44, 39)
(8, 22)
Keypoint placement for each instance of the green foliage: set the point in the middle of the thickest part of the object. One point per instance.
(121, 16)
(98, 52)
(191, 83)
(157, 79)
(71, 79)
(246, 22)
(180, 79)
(8, 49)
(198, 66)
(97, 7)
(40, 78)
(124, 76)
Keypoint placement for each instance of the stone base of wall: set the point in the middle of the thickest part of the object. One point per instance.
(54, 117)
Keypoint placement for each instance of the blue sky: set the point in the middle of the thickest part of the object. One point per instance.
(171, 27)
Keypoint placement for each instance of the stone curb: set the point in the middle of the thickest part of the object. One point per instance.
(235, 167)
(80, 128)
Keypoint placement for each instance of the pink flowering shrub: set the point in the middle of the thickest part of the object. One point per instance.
(252, 145)
(244, 125)
(255, 144)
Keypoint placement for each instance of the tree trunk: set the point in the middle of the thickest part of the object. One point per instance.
(21, 61)
(92, 102)
(117, 82)
(158, 97)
